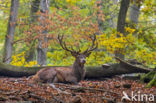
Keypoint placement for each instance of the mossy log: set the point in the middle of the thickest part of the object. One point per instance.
(149, 78)
(91, 71)
(16, 71)
(115, 69)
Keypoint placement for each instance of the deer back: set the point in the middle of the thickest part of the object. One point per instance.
(55, 75)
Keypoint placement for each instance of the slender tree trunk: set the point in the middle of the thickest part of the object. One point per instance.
(99, 19)
(122, 20)
(10, 32)
(134, 18)
(30, 55)
(42, 51)
(34, 9)
(134, 14)
(112, 24)
(108, 22)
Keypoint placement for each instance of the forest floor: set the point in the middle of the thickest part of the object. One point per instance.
(22, 90)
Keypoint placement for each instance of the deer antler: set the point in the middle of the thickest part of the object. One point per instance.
(63, 45)
(73, 52)
(93, 46)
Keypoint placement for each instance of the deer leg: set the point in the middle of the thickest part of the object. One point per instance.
(83, 76)
(51, 78)
(72, 80)
(55, 80)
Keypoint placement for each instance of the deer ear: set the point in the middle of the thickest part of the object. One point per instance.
(87, 54)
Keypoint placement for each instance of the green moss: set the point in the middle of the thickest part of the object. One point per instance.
(150, 78)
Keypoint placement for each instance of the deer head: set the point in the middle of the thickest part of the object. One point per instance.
(80, 57)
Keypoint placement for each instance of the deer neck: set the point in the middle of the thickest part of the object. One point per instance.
(78, 70)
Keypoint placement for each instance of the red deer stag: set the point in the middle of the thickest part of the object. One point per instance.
(72, 74)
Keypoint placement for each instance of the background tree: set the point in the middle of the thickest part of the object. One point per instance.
(11, 30)
(134, 13)
(42, 49)
(35, 4)
(99, 19)
(113, 14)
(109, 10)
(122, 21)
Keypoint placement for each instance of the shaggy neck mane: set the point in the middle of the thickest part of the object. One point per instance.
(78, 70)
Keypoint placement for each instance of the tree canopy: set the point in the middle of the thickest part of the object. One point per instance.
(77, 20)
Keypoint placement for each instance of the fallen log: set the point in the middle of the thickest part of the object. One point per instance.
(16, 71)
(91, 71)
(114, 69)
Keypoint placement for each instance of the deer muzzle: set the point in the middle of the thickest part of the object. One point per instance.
(83, 61)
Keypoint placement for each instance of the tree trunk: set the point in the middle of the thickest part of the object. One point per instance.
(108, 22)
(34, 9)
(30, 54)
(122, 20)
(99, 19)
(134, 18)
(10, 32)
(134, 14)
(42, 51)
(91, 71)
(112, 24)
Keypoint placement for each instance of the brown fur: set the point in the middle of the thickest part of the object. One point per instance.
(55, 75)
